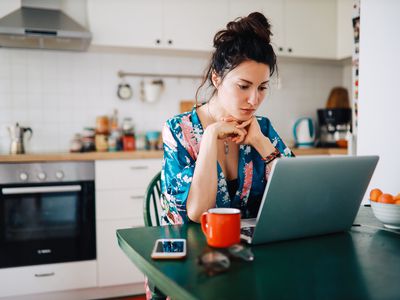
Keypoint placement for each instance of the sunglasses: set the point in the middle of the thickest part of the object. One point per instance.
(218, 261)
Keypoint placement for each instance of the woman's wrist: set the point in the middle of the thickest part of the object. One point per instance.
(263, 146)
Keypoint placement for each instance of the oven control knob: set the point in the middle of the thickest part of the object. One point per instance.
(59, 175)
(41, 175)
(23, 176)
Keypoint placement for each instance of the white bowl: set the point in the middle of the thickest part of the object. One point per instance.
(388, 214)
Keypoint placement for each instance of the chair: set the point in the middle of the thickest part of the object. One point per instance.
(151, 205)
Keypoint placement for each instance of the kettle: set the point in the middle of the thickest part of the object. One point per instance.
(17, 138)
(304, 133)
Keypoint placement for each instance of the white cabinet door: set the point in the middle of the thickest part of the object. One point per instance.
(125, 23)
(310, 28)
(114, 267)
(192, 24)
(273, 11)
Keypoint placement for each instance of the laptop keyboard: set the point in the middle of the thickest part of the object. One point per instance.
(247, 231)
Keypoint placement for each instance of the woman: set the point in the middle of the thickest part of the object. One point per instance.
(220, 154)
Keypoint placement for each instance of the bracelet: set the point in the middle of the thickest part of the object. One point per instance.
(272, 156)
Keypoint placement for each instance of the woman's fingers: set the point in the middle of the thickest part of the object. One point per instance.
(245, 123)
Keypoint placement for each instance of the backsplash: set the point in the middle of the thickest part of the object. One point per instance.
(59, 93)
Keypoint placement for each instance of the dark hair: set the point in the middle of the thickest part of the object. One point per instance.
(246, 38)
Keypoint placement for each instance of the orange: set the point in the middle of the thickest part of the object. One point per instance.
(386, 198)
(397, 202)
(374, 194)
(397, 197)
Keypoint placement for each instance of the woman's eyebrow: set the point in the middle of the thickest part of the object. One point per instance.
(249, 82)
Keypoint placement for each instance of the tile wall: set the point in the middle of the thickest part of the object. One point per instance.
(58, 93)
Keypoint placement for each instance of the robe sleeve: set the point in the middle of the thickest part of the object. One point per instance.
(176, 176)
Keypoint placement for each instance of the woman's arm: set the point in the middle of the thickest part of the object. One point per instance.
(203, 190)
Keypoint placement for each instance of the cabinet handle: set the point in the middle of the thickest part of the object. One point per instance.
(290, 50)
(169, 42)
(158, 41)
(280, 49)
(45, 274)
(136, 197)
(139, 167)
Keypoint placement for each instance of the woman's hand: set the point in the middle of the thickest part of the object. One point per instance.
(229, 130)
(252, 128)
(254, 136)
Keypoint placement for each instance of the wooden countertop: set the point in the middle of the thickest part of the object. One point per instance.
(80, 156)
(319, 151)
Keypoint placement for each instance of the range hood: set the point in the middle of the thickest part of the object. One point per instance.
(39, 28)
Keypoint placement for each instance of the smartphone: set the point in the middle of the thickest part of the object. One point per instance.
(169, 249)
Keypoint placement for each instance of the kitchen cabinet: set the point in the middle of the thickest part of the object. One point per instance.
(310, 28)
(47, 278)
(159, 24)
(8, 6)
(120, 189)
(125, 23)
(272, 9)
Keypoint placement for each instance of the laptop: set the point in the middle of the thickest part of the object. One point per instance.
(308, 196)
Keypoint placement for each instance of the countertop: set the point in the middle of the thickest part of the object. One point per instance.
(80, 156)
(37, 157)
(319, 151)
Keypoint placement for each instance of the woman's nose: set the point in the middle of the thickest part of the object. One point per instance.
(253, 98)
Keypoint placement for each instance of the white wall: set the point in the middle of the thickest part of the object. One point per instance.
(379, 96)
(58, 93)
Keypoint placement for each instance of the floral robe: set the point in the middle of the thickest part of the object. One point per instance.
(182, 136)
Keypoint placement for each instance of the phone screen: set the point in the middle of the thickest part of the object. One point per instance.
(170, 247)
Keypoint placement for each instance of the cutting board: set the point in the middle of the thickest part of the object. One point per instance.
(186, 105)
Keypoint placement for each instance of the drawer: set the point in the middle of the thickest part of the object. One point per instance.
(47, 278)
(125, 174)
(118, 204)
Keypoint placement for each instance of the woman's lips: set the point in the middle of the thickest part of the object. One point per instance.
(248, 110)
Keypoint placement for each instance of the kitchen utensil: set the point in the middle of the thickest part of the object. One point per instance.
(186, 105)
(17, 138)
(304, 133)
(151, 91)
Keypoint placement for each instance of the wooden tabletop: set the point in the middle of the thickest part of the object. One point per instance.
(360, 264)
(80, 156)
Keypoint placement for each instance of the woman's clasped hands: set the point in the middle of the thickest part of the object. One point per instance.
(242, 132)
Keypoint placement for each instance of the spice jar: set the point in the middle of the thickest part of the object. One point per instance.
(102, 125)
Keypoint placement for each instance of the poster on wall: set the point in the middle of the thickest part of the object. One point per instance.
(355, 62)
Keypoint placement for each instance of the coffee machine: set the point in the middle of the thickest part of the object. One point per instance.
(334, 127)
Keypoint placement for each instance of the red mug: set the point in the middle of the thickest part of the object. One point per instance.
(221, 226)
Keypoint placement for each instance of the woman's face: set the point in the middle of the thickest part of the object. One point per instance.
(242, 90)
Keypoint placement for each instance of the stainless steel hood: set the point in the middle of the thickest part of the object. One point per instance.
(42, 29)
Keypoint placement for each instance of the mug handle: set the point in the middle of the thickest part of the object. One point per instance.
(203, 221)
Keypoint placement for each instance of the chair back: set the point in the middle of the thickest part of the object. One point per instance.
(151, 205)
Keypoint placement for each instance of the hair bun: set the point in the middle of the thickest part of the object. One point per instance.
(254, 25)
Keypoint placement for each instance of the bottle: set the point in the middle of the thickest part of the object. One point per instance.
(114, 121)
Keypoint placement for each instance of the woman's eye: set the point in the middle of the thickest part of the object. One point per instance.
(243, 87)
(263, 88)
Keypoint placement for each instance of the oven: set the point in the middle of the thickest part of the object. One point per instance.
(47, 213)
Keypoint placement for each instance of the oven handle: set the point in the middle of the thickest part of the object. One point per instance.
(41, 189)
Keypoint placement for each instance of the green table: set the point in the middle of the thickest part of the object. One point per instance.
(363, 263)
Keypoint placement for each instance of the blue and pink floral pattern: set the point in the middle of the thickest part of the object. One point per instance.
(182, 137)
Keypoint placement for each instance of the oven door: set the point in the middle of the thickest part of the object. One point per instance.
(47, 223)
